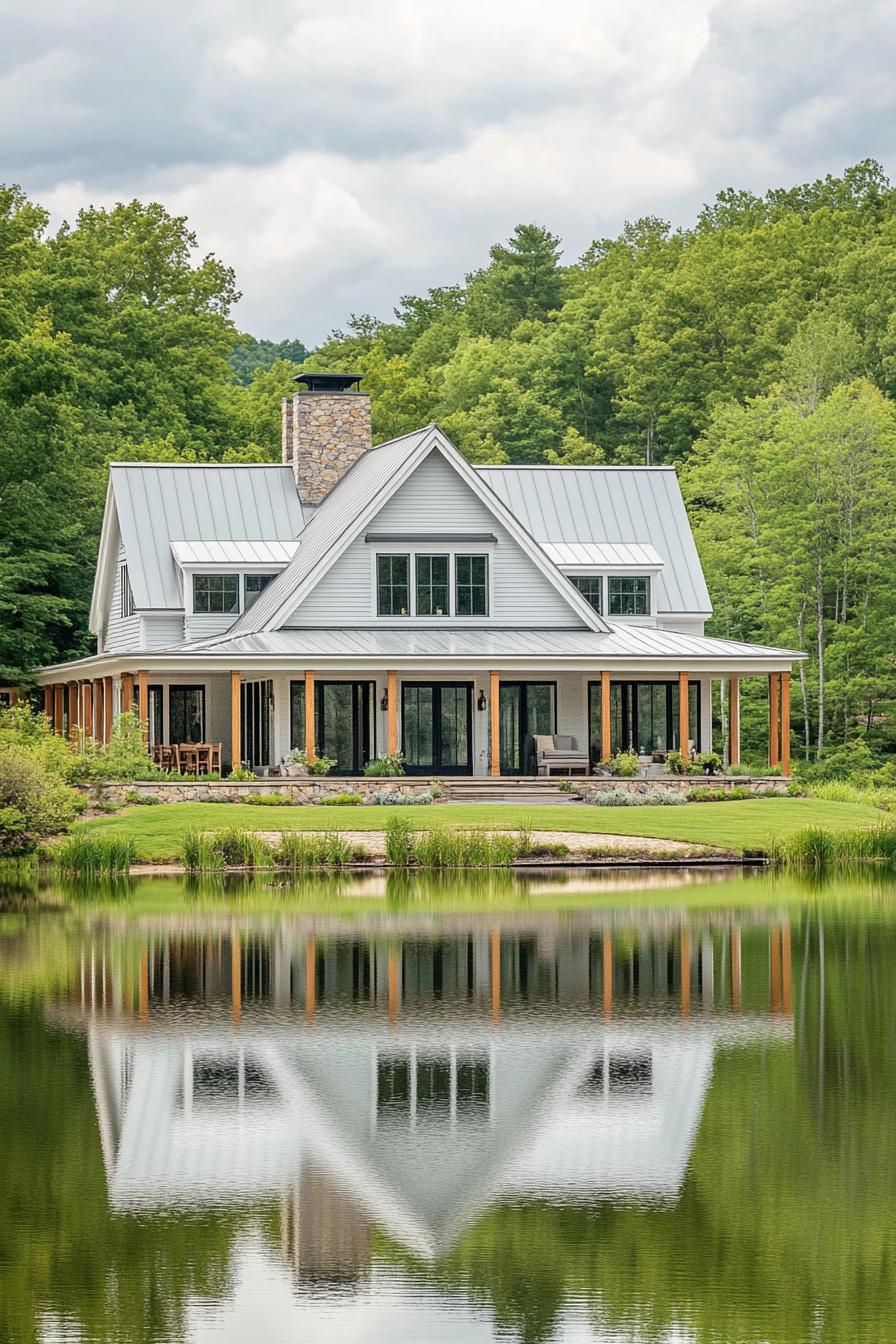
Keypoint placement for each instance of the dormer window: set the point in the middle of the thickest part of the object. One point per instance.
(127, 607)
(217, 594)
(591, 586)
(253, 586)
(628, 596)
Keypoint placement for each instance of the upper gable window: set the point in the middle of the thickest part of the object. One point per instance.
(628, 596)
(253, 586)
(591, 586)
(471, 585)
(393, 592)
(216, 593)
(126, 593)
(432, 585)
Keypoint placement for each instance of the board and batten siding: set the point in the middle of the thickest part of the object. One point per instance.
(122, 632)
(436, 500)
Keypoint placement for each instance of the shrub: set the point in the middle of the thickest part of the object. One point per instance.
(565, 786)
(319, 765)
(743, 770)
(95, 855)
(266, 800)
(644, 796)
(124, 756)
(710, 762)
(20, 728)
(624, 764)
(241, 775)
(340, 800)
(389, 766)
(720, 795)
(35, 801)
(677, 763)
(395, 798)
(545, 849)
(399, 842)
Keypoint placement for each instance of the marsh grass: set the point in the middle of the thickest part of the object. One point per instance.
(816, 848)
(301, 850)
(231, 847)
(95, 855)
(447, 848)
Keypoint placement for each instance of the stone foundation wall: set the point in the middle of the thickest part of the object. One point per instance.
(307, 790)
(683, 783)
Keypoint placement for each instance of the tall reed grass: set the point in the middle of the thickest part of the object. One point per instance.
(816, 848)
(231, 847)
(95, 855)
(445, 848)
(300, 850)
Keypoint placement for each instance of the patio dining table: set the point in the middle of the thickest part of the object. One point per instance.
(199, 758)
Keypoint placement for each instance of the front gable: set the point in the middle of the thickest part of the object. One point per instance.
(441, 507)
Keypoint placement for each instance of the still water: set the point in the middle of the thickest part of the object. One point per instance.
(621, 1108)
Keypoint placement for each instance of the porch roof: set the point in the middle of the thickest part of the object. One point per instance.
(624, 642)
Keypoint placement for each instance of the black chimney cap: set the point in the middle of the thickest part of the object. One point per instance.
(329, 382)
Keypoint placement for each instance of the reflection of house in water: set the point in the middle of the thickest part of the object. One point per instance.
(412, 1081)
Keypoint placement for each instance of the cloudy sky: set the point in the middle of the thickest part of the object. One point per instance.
(341, 154)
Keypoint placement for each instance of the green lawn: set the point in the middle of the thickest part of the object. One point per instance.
(737, 826)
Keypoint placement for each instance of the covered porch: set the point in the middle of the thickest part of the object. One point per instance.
(464, 721)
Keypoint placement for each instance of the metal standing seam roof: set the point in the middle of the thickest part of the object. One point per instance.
(623, 641)
(600, 505)
(158, 503)
(234, 552)
(603, 556)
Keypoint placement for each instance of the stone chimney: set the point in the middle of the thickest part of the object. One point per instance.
(326, 427)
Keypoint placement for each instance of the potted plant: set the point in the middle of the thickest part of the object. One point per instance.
(710, 762)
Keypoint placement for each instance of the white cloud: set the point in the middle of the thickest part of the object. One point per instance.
(340, 156)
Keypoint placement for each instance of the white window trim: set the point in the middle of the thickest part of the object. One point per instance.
(453, 551)
(620, 572)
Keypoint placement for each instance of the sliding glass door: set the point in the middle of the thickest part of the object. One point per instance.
(437, 727)
(643, 717)
(527, 708)
(343, 722)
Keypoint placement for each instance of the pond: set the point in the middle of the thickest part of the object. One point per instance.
(614, 1107)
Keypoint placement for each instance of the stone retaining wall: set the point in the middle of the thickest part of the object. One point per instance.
(319, 787)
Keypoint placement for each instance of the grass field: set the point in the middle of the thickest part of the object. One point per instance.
(158, 831)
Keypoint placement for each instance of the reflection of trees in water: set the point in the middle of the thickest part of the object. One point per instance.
(62, 1252)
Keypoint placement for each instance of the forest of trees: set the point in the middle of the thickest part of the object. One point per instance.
(755, 350)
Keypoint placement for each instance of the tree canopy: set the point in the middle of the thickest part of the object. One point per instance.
(754, 350)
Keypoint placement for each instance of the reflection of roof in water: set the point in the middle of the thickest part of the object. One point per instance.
(422, 1128)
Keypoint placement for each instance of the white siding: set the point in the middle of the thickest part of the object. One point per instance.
(122, 633)
(435, 499)
(163, 630)
(206, 626)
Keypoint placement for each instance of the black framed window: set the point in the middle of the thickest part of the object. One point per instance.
(432, 585)
(186, 714)
(216, 594)
(126, 593)
(591, 586)
(628, 596)
(393, 588)
(471, 585)
(253, 586)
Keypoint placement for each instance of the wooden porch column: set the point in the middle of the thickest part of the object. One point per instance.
(73, 716)
(309, 716)
(786, 971)
(494, 705)
(391, 713)
(774, 752)
(734, 720)
(785, 723)
(99, 713)
(236, 720)
(127, 692)
(143, 703)
(88, 709)
(774, 959)
(48, 701)
(606, 748)
(107, 709)
(58, 708)
(684, 717)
